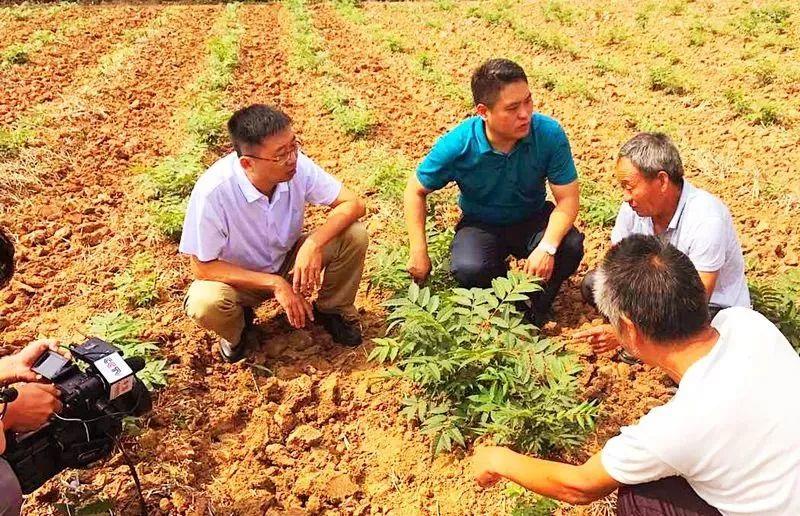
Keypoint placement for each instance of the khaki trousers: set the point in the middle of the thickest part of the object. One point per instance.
(219, 307)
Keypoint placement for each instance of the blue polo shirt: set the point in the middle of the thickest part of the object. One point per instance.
(498, 188)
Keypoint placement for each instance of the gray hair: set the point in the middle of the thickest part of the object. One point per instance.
(655, 286)
(651, 153)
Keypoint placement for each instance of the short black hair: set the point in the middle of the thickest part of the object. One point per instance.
(655, 286)
(6, 257)
(651, 153)
(249, 126)
(490, 77)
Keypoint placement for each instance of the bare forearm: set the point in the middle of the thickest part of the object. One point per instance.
(415, 213)
(561, 220)
(234, 275)
(555, 480)
(339, 219)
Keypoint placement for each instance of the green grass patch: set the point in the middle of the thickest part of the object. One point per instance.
(443, 83)
(545, 38)
(387, 268)
(764, 70)
(598, 207)
(445, 5)
(351, 10)
(307, 45)
(556, 10)
(20, 53)
(137, 286)
(203, 120)
(350, 113)
(698, 34)
(395, 43)
(479, 369)
(166, 215)
(610, 64)
(12, 141)
(667, 79)
(768, 19)
(758, 112)
(614, 34)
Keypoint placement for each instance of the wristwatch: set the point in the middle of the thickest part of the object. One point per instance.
(548, 248)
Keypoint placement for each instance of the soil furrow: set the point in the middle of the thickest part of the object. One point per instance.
(92, 32)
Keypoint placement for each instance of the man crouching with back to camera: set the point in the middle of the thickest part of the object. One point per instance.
(35, 403)
(726, 443)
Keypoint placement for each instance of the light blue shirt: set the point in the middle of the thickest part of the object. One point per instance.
(229, 219)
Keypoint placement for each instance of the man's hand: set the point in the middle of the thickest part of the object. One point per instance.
(419, 266)
(539, 264)
(17, 367)
(34, 406)
(485, 462)
(307, 268)
(298, 309)
(602, 338)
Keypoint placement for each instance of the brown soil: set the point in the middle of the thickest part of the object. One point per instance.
(54, 67)
(321, 435)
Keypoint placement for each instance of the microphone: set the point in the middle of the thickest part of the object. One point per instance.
(8, 395)
(135, 363)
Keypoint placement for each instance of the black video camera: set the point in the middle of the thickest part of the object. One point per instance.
(95, 400)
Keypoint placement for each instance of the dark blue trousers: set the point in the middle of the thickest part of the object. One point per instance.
(480, 250)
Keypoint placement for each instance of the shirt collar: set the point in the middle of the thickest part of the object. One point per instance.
(484, 147)
(250, 192)
(686, 191)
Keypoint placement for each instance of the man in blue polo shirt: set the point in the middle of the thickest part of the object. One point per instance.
(501, 160)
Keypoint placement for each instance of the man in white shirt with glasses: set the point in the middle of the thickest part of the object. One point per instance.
(244, 233)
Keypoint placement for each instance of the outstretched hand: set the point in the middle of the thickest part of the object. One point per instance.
(601, 338)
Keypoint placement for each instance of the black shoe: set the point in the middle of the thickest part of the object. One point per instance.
(344, 332)
(231, 353)
(531, 316)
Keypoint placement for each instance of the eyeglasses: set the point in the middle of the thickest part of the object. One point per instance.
(282, 158)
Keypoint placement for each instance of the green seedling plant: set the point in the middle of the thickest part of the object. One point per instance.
(350, 114)
(665, 78)
(123, 331)
(202, 120)
(480, 369)
(527, 503)
(137, 286)
(779, 301)
(350, 10)
(13, 140)
(555, 10)
(19, 53)
(767, 19)
(307, 46)
(598, 207)
(389, 273)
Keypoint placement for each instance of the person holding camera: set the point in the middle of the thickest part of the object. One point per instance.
(35, 402)
(726, 443)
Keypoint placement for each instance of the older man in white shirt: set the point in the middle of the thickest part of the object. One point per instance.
(659, 201)
(243, 231)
